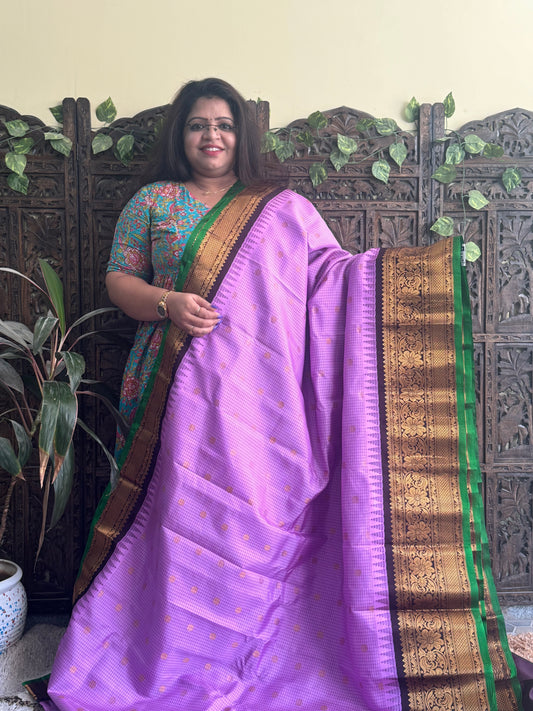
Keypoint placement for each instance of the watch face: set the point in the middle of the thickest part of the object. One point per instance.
(161, 310)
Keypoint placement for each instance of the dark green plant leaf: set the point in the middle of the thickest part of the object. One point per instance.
(318, 174)
(113, 475)
(9, 377)
(365, 124)
(23, 442)
(8, 458)
(444, 226)
(124, 149)
(55, 293)
(17, 128)
(477, 200)
(23, 145)
(106, 111)
(16, 162)
(63, 486)
(449, 105)
(472, 251)
(269, 141)
(381, 170)
(474, 144)
(338, 159)
(445, 173)
(19, 183)
(307, 138)
(284, 150)
(92, 314)
(398, 153)
(61, 144)
(75, 364)
(386, 126)
(101, 142)
(346, 145)
(59, 410)
(317, 120)
(17, 332)
(492, 150)
(412, 110)
(454, 154)
(57, 112)
(511, 178)
(43, 328)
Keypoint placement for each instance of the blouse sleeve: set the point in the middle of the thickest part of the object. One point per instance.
(131, 250)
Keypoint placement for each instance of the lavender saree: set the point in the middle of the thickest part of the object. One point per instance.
(299, 520)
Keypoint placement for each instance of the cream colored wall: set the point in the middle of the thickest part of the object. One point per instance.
(301, 55)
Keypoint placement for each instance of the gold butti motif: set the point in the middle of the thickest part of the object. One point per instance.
(437, 616)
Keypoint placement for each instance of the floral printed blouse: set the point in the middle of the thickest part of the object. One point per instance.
(150, 237)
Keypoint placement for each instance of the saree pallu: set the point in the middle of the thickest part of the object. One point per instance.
(299, 521)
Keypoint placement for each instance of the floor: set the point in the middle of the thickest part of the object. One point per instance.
(518, 619)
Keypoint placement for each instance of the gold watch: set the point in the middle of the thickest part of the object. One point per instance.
(162, 308)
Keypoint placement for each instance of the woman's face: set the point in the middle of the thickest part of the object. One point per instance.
(209, 139)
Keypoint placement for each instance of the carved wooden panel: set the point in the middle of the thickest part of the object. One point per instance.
(69, 217)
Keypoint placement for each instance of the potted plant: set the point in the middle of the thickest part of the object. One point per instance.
(42, 375)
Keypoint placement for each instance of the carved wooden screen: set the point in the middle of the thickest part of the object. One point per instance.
(69, 216)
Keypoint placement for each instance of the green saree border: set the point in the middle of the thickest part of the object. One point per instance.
(475, 535)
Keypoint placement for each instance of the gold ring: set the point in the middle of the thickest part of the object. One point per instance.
(198, 311)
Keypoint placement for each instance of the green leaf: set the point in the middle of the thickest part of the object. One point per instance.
(23, 145)
(511, 178)
(59, 410)
(57, 112)
(61, 144)
(124, 149)
(17, 331)
(454, 154)
(8, 459)
(449, 105)
(398, 153)
(106, 111)
(386, 126)
(492, 150)
(307, 138)
(43, 328)
(23, 442)
(338, 159)
(101, 142)
(412, 110)
(63, 486)
(9, 377)
(476, 199)
(317, 120)
(17, 128)
(113, 477)
(16, 163)
(381, 170)
(445, 173)
(19, 183)
(318, 174)
(75, 363)
(346, 145)
(269, 141)
(92, 314)
(473, 143)
(444, 226)
(55, 293)
(364, 124)
(284, 150)
(472, 251)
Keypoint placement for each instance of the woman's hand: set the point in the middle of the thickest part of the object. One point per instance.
(192, 313)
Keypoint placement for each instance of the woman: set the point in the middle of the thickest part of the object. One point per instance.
(298, 521)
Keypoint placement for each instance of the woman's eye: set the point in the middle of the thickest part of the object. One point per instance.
(197, 126)
(226, 126)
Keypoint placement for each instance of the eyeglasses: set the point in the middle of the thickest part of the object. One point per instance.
(200, 127)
